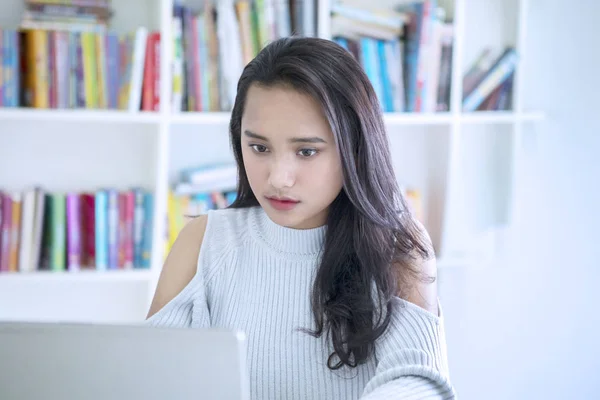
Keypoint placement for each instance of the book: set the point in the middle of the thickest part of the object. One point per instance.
(487, 81)
(43, 230)
(64, 55)
(406, 52)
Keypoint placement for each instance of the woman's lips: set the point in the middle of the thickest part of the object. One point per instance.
(282, 204)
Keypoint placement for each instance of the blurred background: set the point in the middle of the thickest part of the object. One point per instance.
(114, 128)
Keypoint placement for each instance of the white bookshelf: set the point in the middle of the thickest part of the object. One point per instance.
(222, 118)
(84, 116)
(136, 275)
(464, 163)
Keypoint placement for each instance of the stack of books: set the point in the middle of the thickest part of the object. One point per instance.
(487, 85)
(64, 15)
(65, 56)
(102, 230)
(214, 42)
(199, 189)
(407, 55)
(406, 52)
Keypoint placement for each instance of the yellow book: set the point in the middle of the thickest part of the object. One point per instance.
(88, 46)
(243, 14)
(171, 219)
(415, 203)
(101, 74)
(37, 76)
(13, 264)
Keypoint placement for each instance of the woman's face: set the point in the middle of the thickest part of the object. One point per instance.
(290, 156)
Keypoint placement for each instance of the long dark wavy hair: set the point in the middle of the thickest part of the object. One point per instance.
(372, 242)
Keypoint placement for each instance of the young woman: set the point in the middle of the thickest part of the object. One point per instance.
(319, 261)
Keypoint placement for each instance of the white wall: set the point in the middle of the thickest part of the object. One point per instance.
(529, 329)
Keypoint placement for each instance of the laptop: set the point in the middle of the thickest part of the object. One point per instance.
(68, 361)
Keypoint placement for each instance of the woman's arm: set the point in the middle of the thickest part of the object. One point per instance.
(412, 359)
(180, 284)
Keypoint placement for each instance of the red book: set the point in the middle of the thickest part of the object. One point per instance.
(88, 230)
(122, 235)
(156, 90)
(150, 70)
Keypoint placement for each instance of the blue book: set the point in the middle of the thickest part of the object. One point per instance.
(138, 226)
(5, 79)
(101, 230)
(147, 231)
(113, 63)
(230, 197)
(388, 102)
(342, 42)
(15, 56)
(371, 65)
(203, 202)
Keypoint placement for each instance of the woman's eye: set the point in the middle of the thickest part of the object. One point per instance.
(259, 148)
(307, 152)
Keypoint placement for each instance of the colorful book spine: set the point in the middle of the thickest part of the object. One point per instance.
(73, 232)
(113, 60)
(5, 231)
(2, 66)
(79, 71)
(121, 235)
(425, 44)
(499, 73)
(101, 230)
(88, 238)
(90, 79)
(129, 226)
(13, 265)
(387, 101)
(58, 233)
(147, 230)
(138, 227)
(113, 229)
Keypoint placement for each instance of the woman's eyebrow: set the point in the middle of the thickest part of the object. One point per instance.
(312, 139)
(253, 135)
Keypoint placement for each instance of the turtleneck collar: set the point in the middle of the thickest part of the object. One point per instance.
(283, 240)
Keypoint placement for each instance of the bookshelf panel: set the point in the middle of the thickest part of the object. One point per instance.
(77, 301)
(500, 20)
(192, 146)
(131, 14)
(78, 156)
(483, 183)
(486, 49)
(83, 276)
(78, 116)
(420, 161)
(127, 15)
(12, 10)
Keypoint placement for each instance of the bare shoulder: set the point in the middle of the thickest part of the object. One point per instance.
(181, 263)
(423, 291)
